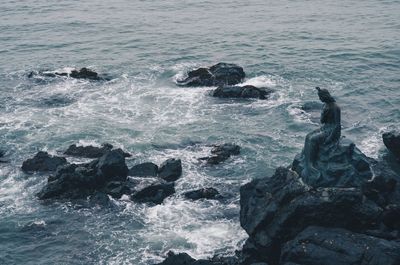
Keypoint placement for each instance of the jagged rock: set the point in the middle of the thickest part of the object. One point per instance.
(112, 166)
(154, 193)
(217, 75)
(43, 162)
(205, 193)
(117, 188)
(335, 246)
(391, 216)
(274, 210)
(241, 92)
(185, 259)
(88, 151)
(220, 153)
(147, 169)
(83, 73)
(2, 153)
(170, 170)
(340, 164)
(392, 142)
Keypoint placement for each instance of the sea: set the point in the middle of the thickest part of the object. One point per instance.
(350, 47)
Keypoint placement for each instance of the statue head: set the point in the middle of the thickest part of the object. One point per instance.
(324, 95)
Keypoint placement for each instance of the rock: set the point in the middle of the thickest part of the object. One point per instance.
(43, 162)
(112, 166)
(84, 73)
(147, 169)
(335, 246)
(241, 92)
(391, 216)
(217, 75)
(274, 210)
(185, 259)
(205, 193)
(100, 198)
(220, 153)
(392, 142)
(88, 151)
(2, 153)
(339, 164)
(154, 193)
(170, 170)
(117, 188)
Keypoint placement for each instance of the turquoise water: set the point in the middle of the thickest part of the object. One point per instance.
(350, 47)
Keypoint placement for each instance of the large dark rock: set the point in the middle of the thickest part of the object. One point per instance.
(340, 164)
(2, 160)
(204, 193)
(112, 166)
(392, 142)
(274, 210)
(170, 170)
(43, 162)
(154, 193)
(241, 92)
(147, 169)
(83, 73)
(185, 259)
(334, 246)
(220, 153)
(217, 75)
(88, 151)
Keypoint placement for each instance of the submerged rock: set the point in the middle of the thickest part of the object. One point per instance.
(154, 193)
(147, 169)
(88, 151)
(43, 162)
(170, 170)
(335, 246)
(340, 164)
(392, 142)
(217, 75)
(2, 160)
(241, 92)
(205, 193)
(220, 153)
(83, 73)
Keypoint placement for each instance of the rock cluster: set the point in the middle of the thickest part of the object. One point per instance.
(43, 162)
(247, 91)
(83, 73)
(220, 153)
(91, 151)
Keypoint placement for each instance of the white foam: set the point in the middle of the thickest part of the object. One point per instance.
(260, 81)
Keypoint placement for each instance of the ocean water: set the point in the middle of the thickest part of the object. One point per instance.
(350, 47)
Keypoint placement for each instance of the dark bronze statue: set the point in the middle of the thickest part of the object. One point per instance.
(328, 133)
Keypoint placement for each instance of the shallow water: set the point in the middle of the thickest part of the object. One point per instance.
(350, 47)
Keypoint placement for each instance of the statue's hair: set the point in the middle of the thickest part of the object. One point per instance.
(325, 95)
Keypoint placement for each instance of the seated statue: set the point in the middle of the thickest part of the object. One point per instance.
(327, 159)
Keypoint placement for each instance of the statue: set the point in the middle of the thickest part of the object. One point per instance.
(328, 133)
(328, 159)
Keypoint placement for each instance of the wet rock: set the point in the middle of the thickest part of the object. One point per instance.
(83, 73)
(217, 75)
(391, 216)
(117, 188)
(335, 246)
(185, 259)
(43, 162)
(205, 193)
(154, 193)
(241, 92)
(170, 170)
(112, 166)
(100, 198)
(339, 164)
(88, 151)
(392, 142)
(147, 169)
(220, 153)
(2, 154)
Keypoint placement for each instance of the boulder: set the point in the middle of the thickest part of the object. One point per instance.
(112, 166)
(147, 169)
(185, 259)
(204, 193)
(392, 142)
(83, 73)
(241, 92)
(217, 75)
(2, 160)
(43, 162)
(154, 193)
(170, 170)
(335, 246)
(340, 164)
(220, 153)
(88, 151)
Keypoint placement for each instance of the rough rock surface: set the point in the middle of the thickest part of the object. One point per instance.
(217, 75)
(43, 162)
(392, 142)
(170, 170)
(147, 169)
(340, 164)
(2, 160)
(220, 153)
(241, 92)
(335, 246)
(154, 193)
(204, 193)
(88, 151)
(83, 73)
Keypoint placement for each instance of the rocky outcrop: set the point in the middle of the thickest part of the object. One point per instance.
(170, 170)
(241, 92)
(147, 169)
(204, 193)
(221, 74)
(88, 151)
(83, 73)
(340, 164)
(220, 153)
(185, 259)
(43, 162)
(392, 142)
(336, 246)
(154, 193)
